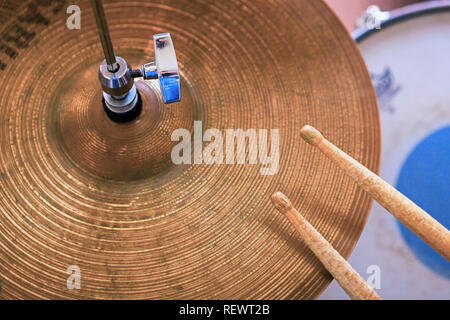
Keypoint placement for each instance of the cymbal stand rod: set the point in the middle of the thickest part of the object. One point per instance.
(105, 37)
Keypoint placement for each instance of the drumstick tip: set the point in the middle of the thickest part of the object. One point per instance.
(281, 202)
(311, 135)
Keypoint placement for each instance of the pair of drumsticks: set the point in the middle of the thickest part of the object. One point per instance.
(402, 208)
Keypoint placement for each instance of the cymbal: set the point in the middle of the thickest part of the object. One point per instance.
(79, 189)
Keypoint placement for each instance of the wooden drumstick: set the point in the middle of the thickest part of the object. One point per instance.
(340, 269)
(411, 215)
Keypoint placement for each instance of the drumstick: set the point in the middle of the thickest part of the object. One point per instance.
(340, 269)
(411, 215)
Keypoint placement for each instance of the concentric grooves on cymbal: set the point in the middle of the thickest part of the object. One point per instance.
(154, 230)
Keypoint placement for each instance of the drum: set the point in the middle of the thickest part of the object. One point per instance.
(409, 61)
(350, 10)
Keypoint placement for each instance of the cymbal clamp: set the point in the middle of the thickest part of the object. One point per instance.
(121, 99)
(164, 68)
(120, 96)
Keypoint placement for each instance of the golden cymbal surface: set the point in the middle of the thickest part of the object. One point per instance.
(79, 189)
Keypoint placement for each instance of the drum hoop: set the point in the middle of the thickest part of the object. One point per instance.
(403, 13)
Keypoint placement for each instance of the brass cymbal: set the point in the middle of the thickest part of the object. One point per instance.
(79, 189)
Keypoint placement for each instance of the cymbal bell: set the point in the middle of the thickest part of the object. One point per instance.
(79, 189)
(120, 151)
